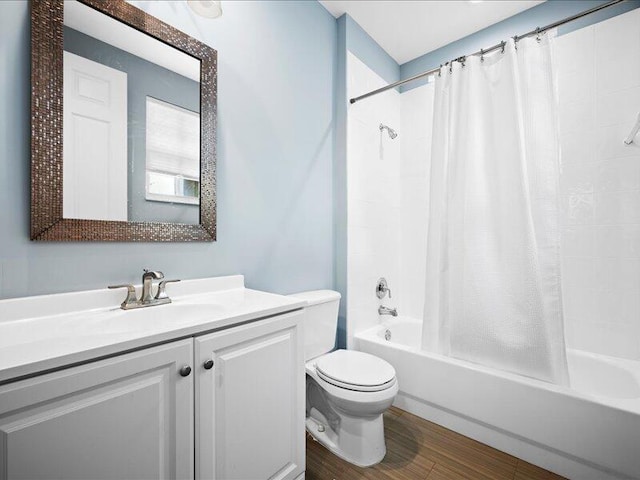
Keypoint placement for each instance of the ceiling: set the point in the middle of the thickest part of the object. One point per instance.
(407, 29)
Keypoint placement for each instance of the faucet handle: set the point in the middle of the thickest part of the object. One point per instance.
(382, 288)
(131, 295)
(162, 289)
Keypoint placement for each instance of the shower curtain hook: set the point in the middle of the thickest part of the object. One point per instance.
(482, 54)
(450, 66)
(502, 45)
(538, 38)
(440, 71)
(462, 60)
(515, 42)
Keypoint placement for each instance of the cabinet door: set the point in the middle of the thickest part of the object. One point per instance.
(126, 417)
(250, 404)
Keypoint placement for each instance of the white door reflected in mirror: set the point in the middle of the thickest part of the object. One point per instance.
(95, 140)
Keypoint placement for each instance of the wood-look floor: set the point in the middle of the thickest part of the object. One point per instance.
(421, 450)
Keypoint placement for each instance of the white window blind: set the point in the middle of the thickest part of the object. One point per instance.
(172, 153)
(173, 139)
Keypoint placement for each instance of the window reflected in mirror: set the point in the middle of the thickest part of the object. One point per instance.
(173, 153)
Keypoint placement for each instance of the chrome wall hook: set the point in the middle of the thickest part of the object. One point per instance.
(634, 132)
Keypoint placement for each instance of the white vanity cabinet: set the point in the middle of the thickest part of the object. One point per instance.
(250, 401)
(125, 417)
(224, 405)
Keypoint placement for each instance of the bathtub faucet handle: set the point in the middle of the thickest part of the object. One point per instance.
(382, 288)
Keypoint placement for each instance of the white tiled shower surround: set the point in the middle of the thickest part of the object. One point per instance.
(373, 196)
(387, 188)
(599, 95)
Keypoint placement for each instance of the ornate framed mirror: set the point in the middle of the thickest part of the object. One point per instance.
(123, 126)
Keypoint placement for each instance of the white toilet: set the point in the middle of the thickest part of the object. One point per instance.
(347, 391)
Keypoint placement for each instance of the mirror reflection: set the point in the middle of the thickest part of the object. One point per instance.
(131, 149)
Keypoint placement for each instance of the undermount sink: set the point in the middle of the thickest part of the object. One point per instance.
(161, 317)
(116, 321)
(172, 314)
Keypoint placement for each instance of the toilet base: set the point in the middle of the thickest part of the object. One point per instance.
(359, 441)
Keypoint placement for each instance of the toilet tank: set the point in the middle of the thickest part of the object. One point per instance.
(321, 321)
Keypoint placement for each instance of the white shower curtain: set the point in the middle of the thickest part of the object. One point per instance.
(493, 293)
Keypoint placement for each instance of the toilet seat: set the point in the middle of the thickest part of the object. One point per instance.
(357, 388)
(353, 370)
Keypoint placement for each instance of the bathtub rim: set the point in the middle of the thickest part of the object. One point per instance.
(629, 405)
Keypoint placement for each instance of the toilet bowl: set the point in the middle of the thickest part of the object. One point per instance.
(347, 391)
(344, 413)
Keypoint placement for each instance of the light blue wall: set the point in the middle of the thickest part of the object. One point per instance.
(538, 16)
(277, 66)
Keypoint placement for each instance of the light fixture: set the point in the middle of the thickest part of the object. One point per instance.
(206, 8)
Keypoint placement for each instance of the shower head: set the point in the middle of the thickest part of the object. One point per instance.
(392, 133)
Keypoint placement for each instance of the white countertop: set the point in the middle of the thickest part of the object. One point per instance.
(48, 332)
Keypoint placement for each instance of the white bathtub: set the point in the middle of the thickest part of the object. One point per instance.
(589, 431)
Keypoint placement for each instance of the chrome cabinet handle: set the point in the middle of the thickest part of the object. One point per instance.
(185, 371)
(208, 365)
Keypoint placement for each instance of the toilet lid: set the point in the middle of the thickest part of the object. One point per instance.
(355, 370)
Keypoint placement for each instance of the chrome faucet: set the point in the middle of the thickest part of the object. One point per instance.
(147, 299)
(382, 310)
(147, 284)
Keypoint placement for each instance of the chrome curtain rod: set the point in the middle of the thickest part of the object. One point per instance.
(484, 51)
